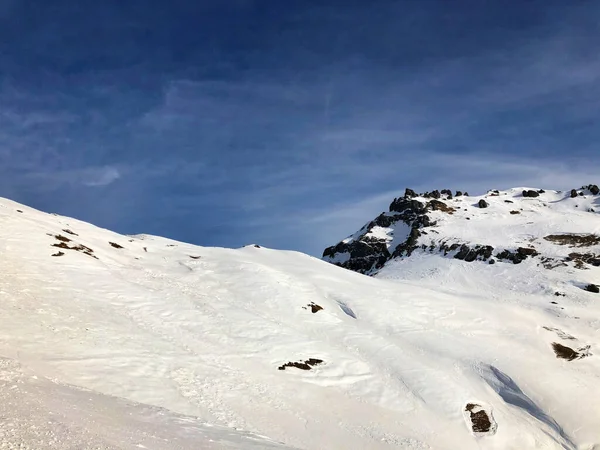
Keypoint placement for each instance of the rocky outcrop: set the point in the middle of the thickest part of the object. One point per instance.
(410, 225)
(479, 252)
(531, 193)
(365, 252)
(593, 288)
(518, 256)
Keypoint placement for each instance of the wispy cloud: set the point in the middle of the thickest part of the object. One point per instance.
(308, 126)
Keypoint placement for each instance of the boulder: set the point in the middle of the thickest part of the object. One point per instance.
(593, 288)
(409, 193)
(595, 190)
(573, 193)
(531, 193)
(483, 204)
(527, 251)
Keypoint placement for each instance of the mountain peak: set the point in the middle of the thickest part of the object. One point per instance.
(504, 226)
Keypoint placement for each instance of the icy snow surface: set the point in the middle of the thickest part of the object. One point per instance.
(161, 344)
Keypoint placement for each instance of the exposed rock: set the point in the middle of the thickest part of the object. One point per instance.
(402, 204)
(527, 251)
(531, 193)
(306, 365)
(595, 190)
(458, 194)
(515, 212)
(479, 252)
(593, 288)
(313, 307)
(573, 193)
(518, 256)
(480, 421)
(438, 205)
(581, 259)
(564, 352)
(408, 193)
(483, 204)
(364, 255)
(574, 240)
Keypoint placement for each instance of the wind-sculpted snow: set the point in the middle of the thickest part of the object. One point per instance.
(432, 353)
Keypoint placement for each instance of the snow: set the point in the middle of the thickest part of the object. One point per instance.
(162, 344)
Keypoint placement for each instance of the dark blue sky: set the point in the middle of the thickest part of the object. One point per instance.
(289, 123)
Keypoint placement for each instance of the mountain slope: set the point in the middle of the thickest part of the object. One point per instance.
(287, 346)
(507, 226)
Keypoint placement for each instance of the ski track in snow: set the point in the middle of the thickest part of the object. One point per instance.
(150, 346)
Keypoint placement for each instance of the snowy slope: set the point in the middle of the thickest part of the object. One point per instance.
(169, 334)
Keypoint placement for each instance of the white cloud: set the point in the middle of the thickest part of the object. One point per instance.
(97, 177)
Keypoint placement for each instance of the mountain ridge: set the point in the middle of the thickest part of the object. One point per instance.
(413, 221)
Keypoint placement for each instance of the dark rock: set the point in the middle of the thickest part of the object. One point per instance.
(514, 257)
(524, 251)
(402, 204)
(573, 193)
(438, 205)
(560, 294)
(314, 307)
(458, 194)
(531, 193)
(541, 191)
(483, 204)
(479, 252)
(515, 212)
(564, 352)
(595, 190)
(492, 261)
(508, 201)
(480, 421)
(306, 365)
(592, 288)
(446, 192)
(409, 193)
(385, 221)
(466, 194)
(574, 240)
(115, 245)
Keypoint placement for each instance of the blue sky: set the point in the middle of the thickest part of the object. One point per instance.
(289, 123)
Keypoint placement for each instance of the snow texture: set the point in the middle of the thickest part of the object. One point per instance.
(160, 344)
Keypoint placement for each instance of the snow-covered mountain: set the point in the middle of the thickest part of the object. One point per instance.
(112, 341)
(555, 227)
